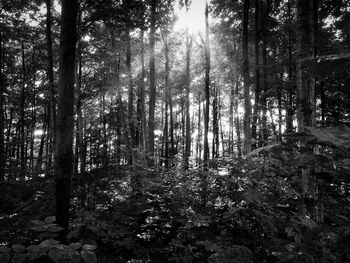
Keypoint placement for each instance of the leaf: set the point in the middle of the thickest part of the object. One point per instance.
(74, 256)
(55, 254)
(50, 219)
(54, 229)
(19, 258)
(38, 228)
(88, 256)
(75, 246)
(19, 249)
(89, 247)
(37, 222)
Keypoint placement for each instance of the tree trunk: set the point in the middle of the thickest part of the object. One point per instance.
(247, 104)
(187, 105)
(33, 119)
(65, 118)
(2, 119)
(152, 79)
(264, 132)
(141, 116)
(206, 90)
(131, 126)
(215, 145)
(305, 49)
(167, 100)
(290, 109)
(257, 74)
(80, 144)
(22, 120)
(50, 76)
(305, 92)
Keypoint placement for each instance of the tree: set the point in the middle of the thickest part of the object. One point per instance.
(65, 117)
(206, 89)
(245, 70)
(257, 72)
(50, 75)
(187, 152)
(2, 138)
(152, 79)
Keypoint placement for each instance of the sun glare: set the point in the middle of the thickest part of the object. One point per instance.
(194, 19)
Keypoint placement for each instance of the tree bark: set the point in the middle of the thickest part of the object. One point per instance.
(290, 109)
(50, 76)
(22, 120)
(2, 119)
(206, 90)
(141, 116)
(187, 104)
(247, 104)
(257, 74)
(65, 118)
(131, 126)
(152, 79)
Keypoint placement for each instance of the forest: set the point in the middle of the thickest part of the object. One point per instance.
(135, 131)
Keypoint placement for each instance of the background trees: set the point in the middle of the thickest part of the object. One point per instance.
(240, 90)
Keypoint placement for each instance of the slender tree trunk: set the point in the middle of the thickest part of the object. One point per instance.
(206, 90)
(171, 126)
(80, 144)
(290, 109)
(50, 76)
(247, 104)
(237, 122)
(22, 120)
(264, 95)
(257, 74)
(215, 145)
(152, 78)
(65, 118)
(167, 100)
(141, 115)
(2, 119)
(187, 105)
(131, 126)
(33, 119)
(39, 160)
(199, 130)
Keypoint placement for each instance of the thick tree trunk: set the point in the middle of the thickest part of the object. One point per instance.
(152, 79)
(206, 90)
(247, 103)
(305, 93)
(305, 49)
(65, 118)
